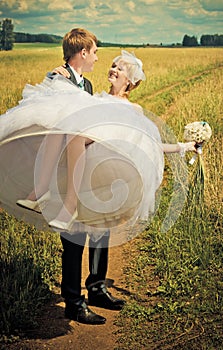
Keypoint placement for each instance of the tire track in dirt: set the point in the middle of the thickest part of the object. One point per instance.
(181, 82)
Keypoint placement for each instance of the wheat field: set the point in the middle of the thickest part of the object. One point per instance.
(183, 85)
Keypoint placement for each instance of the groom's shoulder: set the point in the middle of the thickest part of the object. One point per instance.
(88, 86)
(87, 81)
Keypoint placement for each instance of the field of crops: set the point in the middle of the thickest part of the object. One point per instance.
(185, 309)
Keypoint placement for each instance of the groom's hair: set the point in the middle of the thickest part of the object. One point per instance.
(76, 40)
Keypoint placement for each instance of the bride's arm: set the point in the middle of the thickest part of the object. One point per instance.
(62, 71)
(59, 70)
(179, 147)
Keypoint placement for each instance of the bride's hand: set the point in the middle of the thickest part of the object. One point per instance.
(187, 147)
(62, 71)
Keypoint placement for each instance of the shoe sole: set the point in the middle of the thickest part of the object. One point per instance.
(27, 208)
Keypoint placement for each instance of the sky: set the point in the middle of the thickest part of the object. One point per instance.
(118, 21)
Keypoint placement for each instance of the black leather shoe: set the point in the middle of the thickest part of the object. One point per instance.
(98, 295)
(78, 311)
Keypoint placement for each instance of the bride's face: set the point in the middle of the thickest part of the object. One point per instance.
(117, 74)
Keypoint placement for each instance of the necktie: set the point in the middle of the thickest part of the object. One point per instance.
(81, 84)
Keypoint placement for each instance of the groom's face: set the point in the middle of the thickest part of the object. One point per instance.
(90, 58)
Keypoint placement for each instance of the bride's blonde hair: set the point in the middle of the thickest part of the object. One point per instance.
(134, 70)
(130, 69)
(133, 66)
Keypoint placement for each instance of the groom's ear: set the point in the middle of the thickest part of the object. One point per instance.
(83, 53)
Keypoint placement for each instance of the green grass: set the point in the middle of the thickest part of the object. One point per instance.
(174, 276)
(30, 265)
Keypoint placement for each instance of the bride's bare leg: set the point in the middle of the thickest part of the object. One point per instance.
(75, 168)
(52, 149)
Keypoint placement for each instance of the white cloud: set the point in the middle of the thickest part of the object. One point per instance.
(104, 25)
(191, 12)
(150, 2)
(9, 3)
(131, 5)
(139, 20)
(23, 6)
(60, 5)
(132, 21)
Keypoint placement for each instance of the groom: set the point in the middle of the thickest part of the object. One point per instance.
(80, 54)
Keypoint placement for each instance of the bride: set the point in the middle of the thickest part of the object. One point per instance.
(95, 161)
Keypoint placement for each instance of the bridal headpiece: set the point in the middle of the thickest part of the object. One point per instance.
(136, 72)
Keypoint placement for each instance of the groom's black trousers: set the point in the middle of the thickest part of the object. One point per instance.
(72, 264)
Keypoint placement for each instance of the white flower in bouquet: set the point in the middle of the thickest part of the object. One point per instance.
(198, 132)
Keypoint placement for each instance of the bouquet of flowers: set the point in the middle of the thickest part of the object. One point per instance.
(199, 132)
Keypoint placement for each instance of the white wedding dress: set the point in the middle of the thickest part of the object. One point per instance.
(124, 166)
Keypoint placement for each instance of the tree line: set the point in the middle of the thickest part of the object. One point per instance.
(205, 40)
(8, 37)
(41, 38)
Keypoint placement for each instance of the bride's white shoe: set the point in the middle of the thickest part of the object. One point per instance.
(64, 225)
(34, 205)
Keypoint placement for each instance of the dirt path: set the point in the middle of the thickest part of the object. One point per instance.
(179, 83)
(57, 333)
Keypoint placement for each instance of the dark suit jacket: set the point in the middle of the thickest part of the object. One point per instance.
(87, 83)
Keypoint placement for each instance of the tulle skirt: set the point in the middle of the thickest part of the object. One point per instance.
(123, 164)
